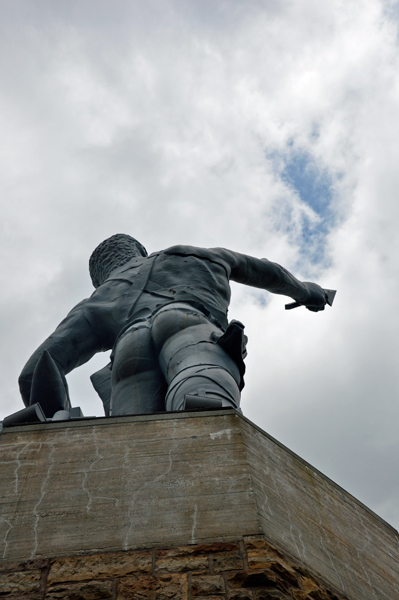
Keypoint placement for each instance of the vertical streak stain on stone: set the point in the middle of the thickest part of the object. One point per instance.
(13, 490)
(194, 524)
(330, 558)
(42, 494)
(91, 496)
(146, 484)
(5, 542)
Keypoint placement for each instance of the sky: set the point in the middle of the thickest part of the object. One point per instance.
(266, 127)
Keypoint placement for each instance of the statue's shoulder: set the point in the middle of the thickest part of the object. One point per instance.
(180, 250)
(184, 250)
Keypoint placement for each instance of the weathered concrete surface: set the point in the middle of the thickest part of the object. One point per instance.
(122, 483)
(303, 512)
(187, 478)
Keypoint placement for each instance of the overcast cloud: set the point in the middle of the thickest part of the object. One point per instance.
(268, 127)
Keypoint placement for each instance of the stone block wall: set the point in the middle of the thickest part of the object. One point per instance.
(248, 568)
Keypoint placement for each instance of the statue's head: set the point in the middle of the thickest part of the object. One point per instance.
(113, 252)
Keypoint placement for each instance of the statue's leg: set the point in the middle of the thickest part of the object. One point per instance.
(138, 385)
(191, 360)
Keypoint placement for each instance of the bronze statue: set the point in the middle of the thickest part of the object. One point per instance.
(165, 318)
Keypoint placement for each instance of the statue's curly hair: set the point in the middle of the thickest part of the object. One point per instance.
(113, 252)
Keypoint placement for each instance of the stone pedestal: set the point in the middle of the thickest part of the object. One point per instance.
(180, 505)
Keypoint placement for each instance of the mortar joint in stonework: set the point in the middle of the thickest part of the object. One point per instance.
(226, 587)
(299, 578)
(243, 551)
(114, 589)
(211, 560)
(189, 597)
(43, 579)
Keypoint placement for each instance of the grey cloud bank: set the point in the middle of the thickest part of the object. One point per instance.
(176, 123)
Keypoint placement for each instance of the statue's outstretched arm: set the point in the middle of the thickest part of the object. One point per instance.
(270, 276)
(72, 344)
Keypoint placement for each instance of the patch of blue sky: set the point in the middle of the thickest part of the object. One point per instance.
(314, 187)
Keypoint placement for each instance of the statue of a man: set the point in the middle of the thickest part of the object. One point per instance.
(165, 318)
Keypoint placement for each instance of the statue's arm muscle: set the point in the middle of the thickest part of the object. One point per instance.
(270, 276)
(72, 344)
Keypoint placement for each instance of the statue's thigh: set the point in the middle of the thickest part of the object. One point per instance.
(138, 386)
(193, 364)
(134, 353)
(141, 393)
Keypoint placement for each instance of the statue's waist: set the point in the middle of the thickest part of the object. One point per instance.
(152, 301)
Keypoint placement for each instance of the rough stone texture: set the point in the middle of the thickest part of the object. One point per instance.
(240, 594)
(88, 590)
(227, 561)
(91, 577)
(99, 565)
(162, 506)
(21, 582)
(162, 587)
(199, 558)
(207, 585)
(197, 564)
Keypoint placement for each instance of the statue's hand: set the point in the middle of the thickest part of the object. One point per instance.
(317, 297)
